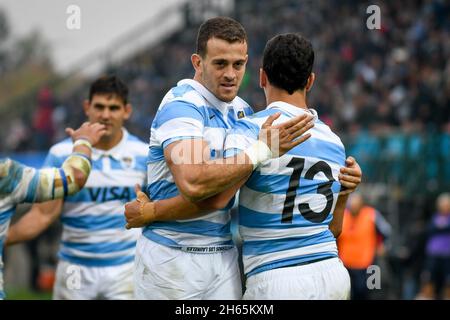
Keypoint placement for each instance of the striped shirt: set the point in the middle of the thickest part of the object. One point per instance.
(190, 111)
(7, 208)
(16, 187)
(286, 205)
(93, 220)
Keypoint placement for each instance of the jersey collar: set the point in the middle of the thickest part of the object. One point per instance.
(291, 109)
(222, 106)
(117, 152)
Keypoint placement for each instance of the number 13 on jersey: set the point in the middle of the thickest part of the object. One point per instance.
(323, 188)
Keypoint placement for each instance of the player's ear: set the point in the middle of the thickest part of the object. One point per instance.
(310, 82)
(196, 62)
(128, 111)
(86, 105)
(262, 78)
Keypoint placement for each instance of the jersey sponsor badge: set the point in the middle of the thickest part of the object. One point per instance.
(127, 162)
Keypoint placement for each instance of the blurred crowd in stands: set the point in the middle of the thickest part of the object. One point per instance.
(387, 91)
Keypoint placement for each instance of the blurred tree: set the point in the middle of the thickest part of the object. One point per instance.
(4, 26)
(25, 67)
(4, 34)
(32, 49)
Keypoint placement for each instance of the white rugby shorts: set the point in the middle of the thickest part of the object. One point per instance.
(323, 280)
(165, 273)
(79, 282)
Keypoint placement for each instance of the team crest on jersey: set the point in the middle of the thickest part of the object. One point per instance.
(240, 114)
(127, 162)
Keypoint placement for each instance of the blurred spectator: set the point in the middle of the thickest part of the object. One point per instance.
(43, 119)
(361, 241)
(59, 122)
(18, 135)
(436, 274)
(379, 80)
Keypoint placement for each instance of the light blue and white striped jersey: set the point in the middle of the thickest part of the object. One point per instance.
(7, 208)
(93, 220)
(16, 187)
(287, 203)
(190, 111)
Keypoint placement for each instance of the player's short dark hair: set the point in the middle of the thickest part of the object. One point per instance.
(109, 84)
(288, 60)
(223, 28)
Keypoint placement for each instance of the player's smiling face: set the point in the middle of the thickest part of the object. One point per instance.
(222, 68)
(110, 110)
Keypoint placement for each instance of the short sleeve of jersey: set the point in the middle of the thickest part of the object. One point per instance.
(242, 136)
(178, 120)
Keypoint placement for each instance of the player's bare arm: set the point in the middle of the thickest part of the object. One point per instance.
(75, 169)
(143, 211)
(197, 180)
(349, 178)
(36, 220)
(229, 172)
(56, 183)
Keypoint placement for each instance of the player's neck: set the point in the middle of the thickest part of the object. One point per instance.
(107, 143)
(296, 99)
